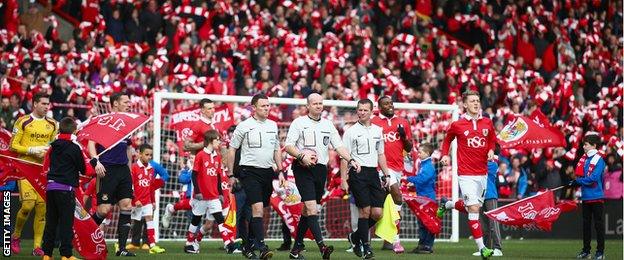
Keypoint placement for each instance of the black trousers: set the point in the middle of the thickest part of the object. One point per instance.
(60, 207)
(595, 211)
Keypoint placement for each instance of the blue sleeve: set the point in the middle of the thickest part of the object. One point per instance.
(9, 186)
(522, 184)
(423, 177)
(160, 171)
(595, 176)
(185, 176)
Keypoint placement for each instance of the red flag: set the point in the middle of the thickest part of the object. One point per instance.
(425, 210)
(5, 143)
(289, 211)
(538, 211)
(182, 122)
(524, 133)
(88, 237)
(17, 169)
(109, 129)
(539, 118)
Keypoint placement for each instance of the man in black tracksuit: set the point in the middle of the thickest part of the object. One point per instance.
(65, 164)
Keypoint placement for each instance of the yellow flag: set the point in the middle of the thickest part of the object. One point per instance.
(386, 227)
(230, 219)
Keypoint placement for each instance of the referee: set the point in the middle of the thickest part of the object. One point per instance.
(257, 139)
(314, 133)
(112, 167)
(365, 143)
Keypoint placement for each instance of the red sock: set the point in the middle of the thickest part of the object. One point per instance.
(199, 236)
(150, 232)
(459, 206)
(150, 236)
(475, 228)
(190, 237)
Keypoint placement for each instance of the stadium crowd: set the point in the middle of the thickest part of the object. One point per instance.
(561, 57)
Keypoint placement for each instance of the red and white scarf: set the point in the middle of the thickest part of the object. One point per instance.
(581, 164)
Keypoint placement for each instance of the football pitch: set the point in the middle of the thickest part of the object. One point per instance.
(512, 249)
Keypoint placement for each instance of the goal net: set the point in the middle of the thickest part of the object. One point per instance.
(427, 121)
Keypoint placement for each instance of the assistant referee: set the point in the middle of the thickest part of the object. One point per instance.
(113, 169)
(257, 139)
(314, 133)
(365, 143)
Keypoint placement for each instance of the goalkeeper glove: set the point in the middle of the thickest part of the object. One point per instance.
(37, 150)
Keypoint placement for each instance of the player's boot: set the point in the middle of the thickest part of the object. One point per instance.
(599, 256)
(266, 253)
(398, 248)
(132, 247)
(295, 253)
(145, 247)
(357, 247)
(326, 251)
(156, 250)
(15, 245)
(38, 252)
(124, 253)
(368, 252)
(441, 207)
(166, 218)
(47, 257)
(191, 249)
(486, 253)
(583, 255)
(70, 258)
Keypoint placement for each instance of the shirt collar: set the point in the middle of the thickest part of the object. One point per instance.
(469, 118)
(592, 152)
(149, 166)
(212, 153)
(205, 120)
(426, 159)
(385, 117)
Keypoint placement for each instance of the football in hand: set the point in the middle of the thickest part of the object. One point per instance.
(310, 154)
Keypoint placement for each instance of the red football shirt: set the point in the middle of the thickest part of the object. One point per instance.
(207, 166)
(199, 128)
(393, 145)
(142, 177)
(475, 137)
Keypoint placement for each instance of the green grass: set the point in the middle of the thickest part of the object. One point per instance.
(512, 249)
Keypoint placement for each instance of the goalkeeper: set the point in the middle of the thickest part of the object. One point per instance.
(32, 135)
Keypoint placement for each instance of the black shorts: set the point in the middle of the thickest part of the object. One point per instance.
(366, 189)
(257, 183)
(310, 181)
(116, 185)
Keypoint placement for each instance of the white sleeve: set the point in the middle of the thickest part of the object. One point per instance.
(237, 137)
(277, 140)
(346, 141)
(381, 142)
(335, 137)
(293, 133)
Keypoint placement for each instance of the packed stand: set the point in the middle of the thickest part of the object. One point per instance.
(563, 58)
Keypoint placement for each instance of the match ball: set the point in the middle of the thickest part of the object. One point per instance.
(310, 153)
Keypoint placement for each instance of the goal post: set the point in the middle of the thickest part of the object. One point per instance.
(160, 128)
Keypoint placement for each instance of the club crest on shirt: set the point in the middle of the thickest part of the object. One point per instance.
(326, 140)
(485, 132)
(466, 133)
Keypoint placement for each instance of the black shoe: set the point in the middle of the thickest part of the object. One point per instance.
(583, 255)
(357, 250)
(124, 253)
(599, 256)
(326, 251)
(190, 249)
(368, 254)
(284, 247)
(266, 254)
(249, 254)
(295, 253)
